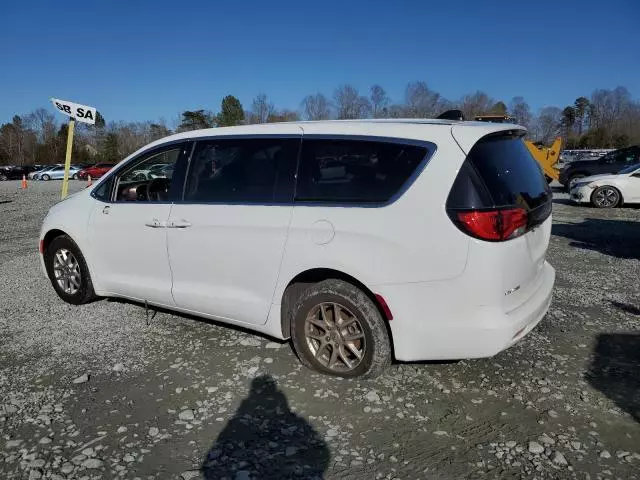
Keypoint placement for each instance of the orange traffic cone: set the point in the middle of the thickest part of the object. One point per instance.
(89, 182)
(24, 182)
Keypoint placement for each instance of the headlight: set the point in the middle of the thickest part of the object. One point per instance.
(581, 184)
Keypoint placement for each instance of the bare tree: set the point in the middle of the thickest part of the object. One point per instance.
(520, 111)
(475, 104)
(349, 103)
(261, 109)
(284, 116)
(423, 102)
(17, 141)
(607, 106)
(547, 125)
(316, 107)
(44, 125)
(379, 101)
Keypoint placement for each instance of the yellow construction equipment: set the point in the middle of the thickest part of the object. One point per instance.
(547, 157)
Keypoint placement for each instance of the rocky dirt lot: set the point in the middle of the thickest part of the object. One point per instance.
(93, 392)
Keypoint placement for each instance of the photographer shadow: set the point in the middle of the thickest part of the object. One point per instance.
(266, 440)
(615, 370)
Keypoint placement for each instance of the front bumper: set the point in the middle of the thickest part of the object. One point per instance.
(580, 195)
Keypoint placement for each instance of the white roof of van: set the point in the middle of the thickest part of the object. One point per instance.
(465, 133)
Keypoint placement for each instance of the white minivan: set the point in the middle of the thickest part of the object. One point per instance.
(359, 240)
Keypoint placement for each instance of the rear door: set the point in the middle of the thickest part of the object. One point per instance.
(226, 238)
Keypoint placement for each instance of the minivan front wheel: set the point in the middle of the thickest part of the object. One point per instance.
(68, 271)
(338, 330)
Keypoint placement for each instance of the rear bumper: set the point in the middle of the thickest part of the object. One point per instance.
(430, 323)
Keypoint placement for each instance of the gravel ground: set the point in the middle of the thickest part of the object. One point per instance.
(93, 392)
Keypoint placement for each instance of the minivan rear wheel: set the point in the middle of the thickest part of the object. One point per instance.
(68, 271)
(338, 330)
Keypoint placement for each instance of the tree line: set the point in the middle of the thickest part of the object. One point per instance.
(606, 119)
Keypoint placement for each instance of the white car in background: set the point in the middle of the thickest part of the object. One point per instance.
(610, 190)
(159, 170)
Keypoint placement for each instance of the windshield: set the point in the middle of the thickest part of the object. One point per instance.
(630, 168)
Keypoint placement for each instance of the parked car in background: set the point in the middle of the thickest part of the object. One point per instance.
(608, 191)
(612, 162)
(15, 173)
(41, 169)
(96, 171)
(358, 240)
(56, 173)
(159, 170)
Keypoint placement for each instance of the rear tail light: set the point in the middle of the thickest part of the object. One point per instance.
(493, 225)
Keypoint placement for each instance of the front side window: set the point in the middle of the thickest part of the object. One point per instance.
(148, 179)
(355, 171)
(103, 191)
(252, 170)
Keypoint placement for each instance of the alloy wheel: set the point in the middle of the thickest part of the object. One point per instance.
(66, 271)
(335, 337)
(605, 197)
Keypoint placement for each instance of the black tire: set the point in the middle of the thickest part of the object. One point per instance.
(75, 176)
(85, 292)
(3, 178)
(377, 348)
(45, 177)
(606, 197)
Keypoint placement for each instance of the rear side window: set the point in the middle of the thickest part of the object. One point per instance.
(252, 170)
(500, 172)
(355, 171)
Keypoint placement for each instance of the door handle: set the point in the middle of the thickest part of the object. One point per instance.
(179, 224)
(106, 209)
(155, 223)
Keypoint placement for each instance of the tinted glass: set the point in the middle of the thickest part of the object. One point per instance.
(500, 172)
(630, 168)
(509, 172)
(355, 171)
(255, 170)
(623, 156)
(103, 191)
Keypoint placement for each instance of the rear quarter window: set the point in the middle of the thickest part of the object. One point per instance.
(356, 171)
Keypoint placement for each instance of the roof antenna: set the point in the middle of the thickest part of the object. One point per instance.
(451, 115)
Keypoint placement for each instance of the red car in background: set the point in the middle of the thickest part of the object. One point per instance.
(96, 171)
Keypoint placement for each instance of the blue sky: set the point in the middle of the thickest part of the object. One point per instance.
(142, 60)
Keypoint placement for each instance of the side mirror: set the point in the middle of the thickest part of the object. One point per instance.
(637, 174)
